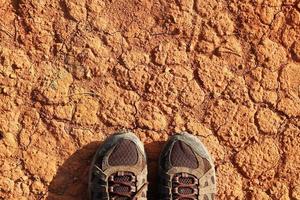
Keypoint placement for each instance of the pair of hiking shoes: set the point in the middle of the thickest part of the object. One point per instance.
(119, 170)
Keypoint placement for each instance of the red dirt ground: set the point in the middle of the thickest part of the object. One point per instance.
(73, 72)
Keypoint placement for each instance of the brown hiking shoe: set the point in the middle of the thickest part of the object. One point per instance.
(186, 170)
(119, 169)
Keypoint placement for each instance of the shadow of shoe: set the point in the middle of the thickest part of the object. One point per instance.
(153, 150)
(71, 179)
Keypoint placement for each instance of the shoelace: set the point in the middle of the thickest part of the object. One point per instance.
(122, 185)
(185, 187)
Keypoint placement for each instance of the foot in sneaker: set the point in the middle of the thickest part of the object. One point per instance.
(186, 170)
(119, 169)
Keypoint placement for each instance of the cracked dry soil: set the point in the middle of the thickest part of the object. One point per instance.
(73, 72)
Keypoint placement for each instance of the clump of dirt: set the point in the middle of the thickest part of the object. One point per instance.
(73, 72)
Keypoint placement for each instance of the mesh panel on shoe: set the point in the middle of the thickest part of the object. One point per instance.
(186, 180)
(122, 189)
(121, 184)
(185, 190)
(183, 156)
(125, 153)
(185, 186)
(125, 178)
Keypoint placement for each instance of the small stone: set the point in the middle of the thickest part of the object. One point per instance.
(12, 76)
(5, 90)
